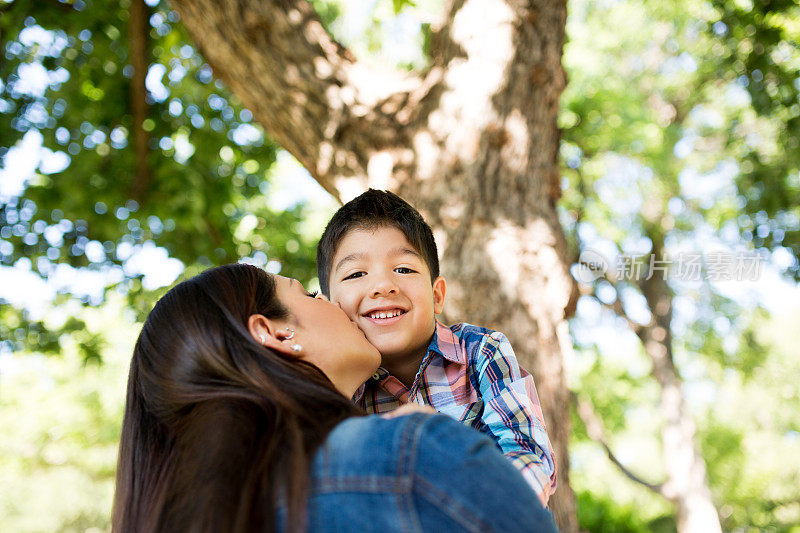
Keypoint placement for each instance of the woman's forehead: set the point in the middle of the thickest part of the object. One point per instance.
(289, 283)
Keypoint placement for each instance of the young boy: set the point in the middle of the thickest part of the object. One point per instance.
(378, 260)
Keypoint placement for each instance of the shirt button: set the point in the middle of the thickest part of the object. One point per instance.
(376, 376)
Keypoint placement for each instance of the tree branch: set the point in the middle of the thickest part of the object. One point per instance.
(54, 3)
(308, 91)
(139, 34)
(443, 48)
(616, 306)
(596, 431)
(576, 291)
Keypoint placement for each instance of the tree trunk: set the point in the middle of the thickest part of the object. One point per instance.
(472, 143)
(686, 485)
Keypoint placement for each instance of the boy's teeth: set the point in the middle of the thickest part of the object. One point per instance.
(385, 314)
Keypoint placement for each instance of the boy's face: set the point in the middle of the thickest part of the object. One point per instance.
(384, 285)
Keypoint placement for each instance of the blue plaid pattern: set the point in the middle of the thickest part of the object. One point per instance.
(471, 374)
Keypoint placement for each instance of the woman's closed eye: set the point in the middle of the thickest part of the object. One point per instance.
(312, 294)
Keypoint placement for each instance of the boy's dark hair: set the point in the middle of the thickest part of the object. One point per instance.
(374, 209)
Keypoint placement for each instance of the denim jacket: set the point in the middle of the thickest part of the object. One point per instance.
(418, 473)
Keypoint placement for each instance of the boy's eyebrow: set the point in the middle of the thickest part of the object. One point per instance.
(400, 250)
(403, 250)
(352, 257)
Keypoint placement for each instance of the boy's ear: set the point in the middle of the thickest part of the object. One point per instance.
(270, 334)
(439, 289)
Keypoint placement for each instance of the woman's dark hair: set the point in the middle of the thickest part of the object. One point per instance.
(217, 428)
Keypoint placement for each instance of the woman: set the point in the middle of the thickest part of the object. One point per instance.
(238, 418)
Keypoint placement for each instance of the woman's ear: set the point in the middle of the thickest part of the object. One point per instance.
(271, 334)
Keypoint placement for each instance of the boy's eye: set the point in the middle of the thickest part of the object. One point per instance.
(354, 275)
(405, 270)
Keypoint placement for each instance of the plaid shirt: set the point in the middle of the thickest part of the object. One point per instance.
(471, 374)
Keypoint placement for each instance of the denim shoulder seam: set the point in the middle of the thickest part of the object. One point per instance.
(409, 444)
(407, 466)
(369, 484)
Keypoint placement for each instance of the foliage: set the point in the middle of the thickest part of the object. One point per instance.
(677, 100)
(658, 134)
(211, 167)
(606, 515)
(676, 128)
(758, 45)
(59, 430)
(751, 435)
(748, 433)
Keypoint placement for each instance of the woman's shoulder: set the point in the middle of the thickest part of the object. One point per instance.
(373, 444)
(399, 432)
(419, 469)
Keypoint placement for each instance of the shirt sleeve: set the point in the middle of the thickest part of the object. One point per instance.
(513, 415)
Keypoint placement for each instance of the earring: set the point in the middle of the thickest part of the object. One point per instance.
(263, 338)
(291, 334)
(296, 348)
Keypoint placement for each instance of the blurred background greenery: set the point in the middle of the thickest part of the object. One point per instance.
(686, 109)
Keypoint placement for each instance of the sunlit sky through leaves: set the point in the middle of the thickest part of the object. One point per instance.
(292, 184)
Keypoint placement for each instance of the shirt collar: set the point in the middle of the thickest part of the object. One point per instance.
(447, 344)
(444, 343)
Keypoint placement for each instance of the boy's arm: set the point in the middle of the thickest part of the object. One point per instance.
(513, 415)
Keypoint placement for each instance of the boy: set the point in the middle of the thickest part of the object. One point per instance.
(378, 260)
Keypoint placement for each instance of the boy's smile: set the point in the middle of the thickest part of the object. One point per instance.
(385, 316)
(384, 286)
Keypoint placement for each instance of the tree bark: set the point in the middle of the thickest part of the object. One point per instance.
(472, 143)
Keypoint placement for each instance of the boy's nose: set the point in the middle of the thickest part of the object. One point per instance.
(381, 292)
(383, 288)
